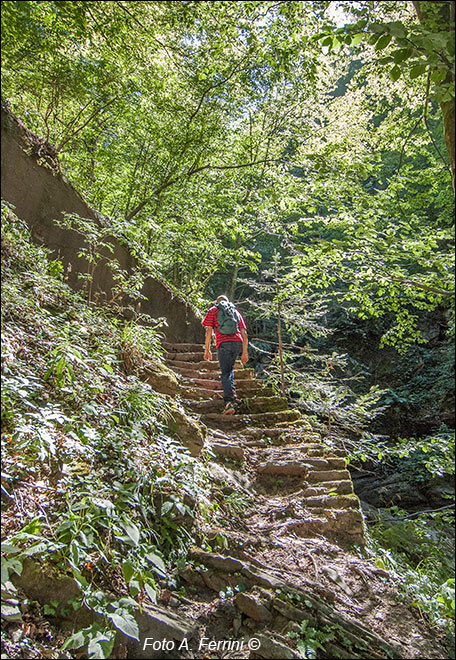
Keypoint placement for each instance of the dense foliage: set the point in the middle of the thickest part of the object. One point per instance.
(116, 498)
(198, 126)
(297, 155)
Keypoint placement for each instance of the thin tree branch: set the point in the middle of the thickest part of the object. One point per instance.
(424, 287)
(232, 167)
(426, 122)
(405, 142)
(214, 86)
(94, 114)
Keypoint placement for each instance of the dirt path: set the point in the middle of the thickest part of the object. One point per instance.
(289, 568)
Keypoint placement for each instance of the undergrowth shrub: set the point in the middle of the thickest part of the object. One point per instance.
(420, 553)
(120, 499)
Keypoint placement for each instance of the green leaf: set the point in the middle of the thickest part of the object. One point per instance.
(439, 75)
(125, 622)
(397, 29)
(74, 552)
(4, 571)
(134, 587)
(132, 532)
(402, 54)
(417, 70)
(128, 570)
(383, 41)
(377, 28)
(100, 646)
(158, 563)
(77, 640)
(9, 549)
(357, 38)
(150, 591)
(166, 508)
(35, 549)
(102, 503)
(395, 73)
(15, 565)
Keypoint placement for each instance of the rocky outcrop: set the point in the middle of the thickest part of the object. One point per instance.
(40, 194)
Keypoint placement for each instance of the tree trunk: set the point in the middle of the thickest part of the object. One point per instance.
(439, 16)
(235, 273)
(279, 335)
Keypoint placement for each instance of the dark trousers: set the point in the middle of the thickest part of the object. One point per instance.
(227, 353)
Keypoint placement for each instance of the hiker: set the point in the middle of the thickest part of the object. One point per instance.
(230, 341)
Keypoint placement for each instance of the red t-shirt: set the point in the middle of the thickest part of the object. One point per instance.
(211, 322)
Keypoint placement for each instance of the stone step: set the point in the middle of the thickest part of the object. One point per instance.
(318, 476)
(349, 501)
(239, 421)
(183, 348)
(275, 432)
(326, 463)
(188, 356)
(244, 406)
(243, 385)
(202, 364)
(288, 468)
(342, 487)
(228, 450)
(317, 455)
(202, 393)
(210, 368)
(315, 463)
(343, 525)
(208, 374)
(326, 487)
(199, 394)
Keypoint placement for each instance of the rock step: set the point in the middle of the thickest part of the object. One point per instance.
(203, 393)
(349, 501)
(244, 385)
(190, 356)
(201, 374)
(198, 394)
(203, 366)
(326, 487)
(313, 463)
(308, 449)
(227, 449)
(280, 431)
(244, 407)
(238, 421)
(288, 468)
(336, 523)
(319, 476)
(183, 348)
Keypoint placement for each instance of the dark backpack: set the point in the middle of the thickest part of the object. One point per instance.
(228, 318)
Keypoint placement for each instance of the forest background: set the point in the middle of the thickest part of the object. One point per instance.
(298, 156)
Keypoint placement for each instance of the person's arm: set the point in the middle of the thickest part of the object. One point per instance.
(207, 344)
(245, 344)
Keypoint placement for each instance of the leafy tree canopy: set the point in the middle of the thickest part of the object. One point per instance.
(203, 129)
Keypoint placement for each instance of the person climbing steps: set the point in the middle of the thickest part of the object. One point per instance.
(231, 342)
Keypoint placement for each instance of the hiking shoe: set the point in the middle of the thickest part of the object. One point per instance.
(228, 409)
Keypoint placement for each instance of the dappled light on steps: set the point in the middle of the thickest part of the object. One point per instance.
(276, 447)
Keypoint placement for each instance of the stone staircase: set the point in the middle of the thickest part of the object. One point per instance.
(301, 486)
